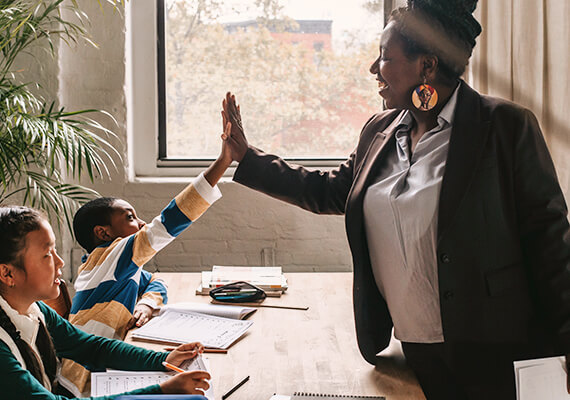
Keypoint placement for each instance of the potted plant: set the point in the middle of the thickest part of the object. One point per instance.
(41, 144)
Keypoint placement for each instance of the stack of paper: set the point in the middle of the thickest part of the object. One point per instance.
(187, 326)
(114, 381)
(543, 378)
(270, 279)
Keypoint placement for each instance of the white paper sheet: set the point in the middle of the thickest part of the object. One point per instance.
(543, 379)
(114, 381)
(186, 326)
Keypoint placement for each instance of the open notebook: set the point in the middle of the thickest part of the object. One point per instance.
(320, 396)
(187, 326)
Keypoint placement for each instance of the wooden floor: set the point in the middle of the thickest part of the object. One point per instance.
(310, 351)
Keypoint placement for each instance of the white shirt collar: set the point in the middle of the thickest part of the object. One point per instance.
(27, 324)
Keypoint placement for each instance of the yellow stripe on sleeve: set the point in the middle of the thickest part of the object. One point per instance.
(98, 256)
(112, 314)
(153, 296)
(191, 203)
(142, 250)
(76, 375)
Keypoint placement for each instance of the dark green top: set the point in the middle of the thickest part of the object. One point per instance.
(94, 352)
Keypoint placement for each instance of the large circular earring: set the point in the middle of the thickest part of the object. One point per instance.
(424, 97)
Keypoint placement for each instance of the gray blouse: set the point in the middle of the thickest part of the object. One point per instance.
(400, 216)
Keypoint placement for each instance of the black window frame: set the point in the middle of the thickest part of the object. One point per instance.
(163, 159)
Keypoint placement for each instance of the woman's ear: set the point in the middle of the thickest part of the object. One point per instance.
(102, 233)
(7, 274)
(429, 66)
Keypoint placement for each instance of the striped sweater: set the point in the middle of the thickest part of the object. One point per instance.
(112, 279)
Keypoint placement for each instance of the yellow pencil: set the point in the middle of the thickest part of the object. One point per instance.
(172, 367)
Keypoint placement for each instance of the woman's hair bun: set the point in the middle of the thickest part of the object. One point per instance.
(455, 15)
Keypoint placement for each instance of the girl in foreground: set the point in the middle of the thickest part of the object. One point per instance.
(32, 335)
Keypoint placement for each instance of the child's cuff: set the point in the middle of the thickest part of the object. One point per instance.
(149, 302)
(208, 193)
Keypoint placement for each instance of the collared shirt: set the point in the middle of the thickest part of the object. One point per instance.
(400, 216)
(28, 326)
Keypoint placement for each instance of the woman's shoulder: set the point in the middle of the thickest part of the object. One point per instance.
(498, 106)
(382, 119)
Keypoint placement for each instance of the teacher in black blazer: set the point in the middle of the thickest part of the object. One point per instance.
(455, 218)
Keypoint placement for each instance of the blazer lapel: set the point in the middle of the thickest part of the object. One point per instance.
(364, 175)
(372, 156)
(468, 137)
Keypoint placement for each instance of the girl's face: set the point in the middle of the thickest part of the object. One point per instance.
(39, 280)
(396, 74)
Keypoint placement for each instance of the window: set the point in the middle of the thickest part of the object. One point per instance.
(299, 70)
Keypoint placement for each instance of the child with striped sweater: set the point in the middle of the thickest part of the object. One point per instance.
(113, 292)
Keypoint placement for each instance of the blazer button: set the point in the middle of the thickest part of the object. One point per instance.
(445, 258)
(448, 295)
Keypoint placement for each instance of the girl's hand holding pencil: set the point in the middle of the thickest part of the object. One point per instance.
(184, 352)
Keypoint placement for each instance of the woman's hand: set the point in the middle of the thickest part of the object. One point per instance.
(190, 382)
(141, 315)
(234, 137)
(184, 352)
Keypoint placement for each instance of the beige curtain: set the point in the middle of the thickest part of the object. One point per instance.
(523, 55)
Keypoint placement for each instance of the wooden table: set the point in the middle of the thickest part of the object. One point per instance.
(290, 350)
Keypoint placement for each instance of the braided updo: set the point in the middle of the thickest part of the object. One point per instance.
(445, 28)
(455, 15)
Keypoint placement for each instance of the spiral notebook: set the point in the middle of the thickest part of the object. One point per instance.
(320, 396)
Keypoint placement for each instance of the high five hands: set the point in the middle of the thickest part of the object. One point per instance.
(234, 138)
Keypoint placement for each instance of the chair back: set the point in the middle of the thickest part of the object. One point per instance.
(62, 303)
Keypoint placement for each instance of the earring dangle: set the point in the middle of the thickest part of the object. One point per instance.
(424, 97)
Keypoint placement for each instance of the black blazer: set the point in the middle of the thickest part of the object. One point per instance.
(503, 235)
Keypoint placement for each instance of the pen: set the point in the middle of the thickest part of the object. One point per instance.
(172, 367)
(236, 387)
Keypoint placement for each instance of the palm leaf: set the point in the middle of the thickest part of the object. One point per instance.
(41, 145)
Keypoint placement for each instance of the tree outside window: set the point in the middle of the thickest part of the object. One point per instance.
(303, 83)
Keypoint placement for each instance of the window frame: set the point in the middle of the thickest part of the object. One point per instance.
(146, 107)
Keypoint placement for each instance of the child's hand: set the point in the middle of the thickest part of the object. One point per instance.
(234, 138)
(191, 382)
(141, 315)
(184, 352)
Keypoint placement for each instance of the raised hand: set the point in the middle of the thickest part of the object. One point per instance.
(233, 137)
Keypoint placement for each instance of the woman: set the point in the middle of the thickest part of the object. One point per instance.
(456, 221)
(32, 334)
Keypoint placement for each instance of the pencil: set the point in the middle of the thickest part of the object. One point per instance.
(222, 351)
(236, 387)
(264, 305)
(172, 367)
(206, 350)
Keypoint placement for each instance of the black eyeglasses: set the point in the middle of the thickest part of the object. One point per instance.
(237, 292)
